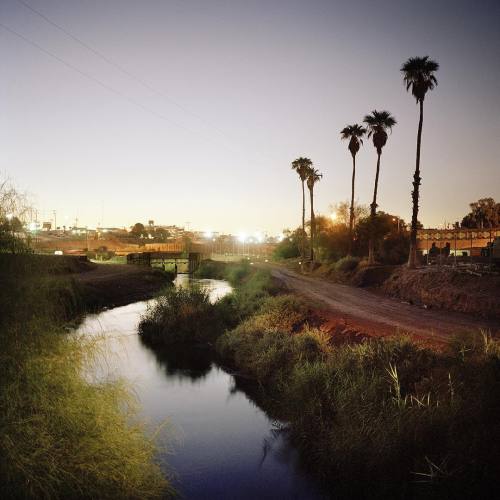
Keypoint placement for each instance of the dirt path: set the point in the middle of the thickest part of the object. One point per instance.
(379, 315)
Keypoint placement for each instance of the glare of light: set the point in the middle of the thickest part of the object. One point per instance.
(281, 237)
(333, 216)
(10, 216)
(259, 237)
(32, 226)
(208, 234)
(242, 237)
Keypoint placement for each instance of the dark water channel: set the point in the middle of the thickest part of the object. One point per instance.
(220, 444)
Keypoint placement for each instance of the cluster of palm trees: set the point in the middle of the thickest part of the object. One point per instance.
(310, 176)
(419, 77)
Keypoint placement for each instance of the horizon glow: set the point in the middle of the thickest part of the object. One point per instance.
(209, 134)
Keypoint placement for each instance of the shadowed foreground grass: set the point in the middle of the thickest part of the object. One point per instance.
(60, 434)
(383, 417)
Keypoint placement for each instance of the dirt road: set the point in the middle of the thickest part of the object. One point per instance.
(379, 315)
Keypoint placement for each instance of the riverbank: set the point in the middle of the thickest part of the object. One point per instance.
(397, 417)
(63, 436)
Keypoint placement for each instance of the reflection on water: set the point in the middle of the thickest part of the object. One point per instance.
(229, 447)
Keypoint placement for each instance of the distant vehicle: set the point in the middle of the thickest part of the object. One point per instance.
(58, 252)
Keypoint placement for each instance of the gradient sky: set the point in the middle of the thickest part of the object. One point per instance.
(235, 91)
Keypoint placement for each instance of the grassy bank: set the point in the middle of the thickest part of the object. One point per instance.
(398, 418)
(62, 436)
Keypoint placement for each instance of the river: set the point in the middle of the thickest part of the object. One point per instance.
(218, 443)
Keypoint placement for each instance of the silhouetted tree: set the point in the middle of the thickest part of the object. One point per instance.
(138, 229)
(418, 75)
(301, 165)
(342, 212)
(355, 135)
(485, 213)
(378, 122)
(313, 176)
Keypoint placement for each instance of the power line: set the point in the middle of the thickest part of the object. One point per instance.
(123, 70)
(95, 80)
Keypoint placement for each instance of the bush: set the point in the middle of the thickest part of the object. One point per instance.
(211, 269)
(181, 315)
(347, 264)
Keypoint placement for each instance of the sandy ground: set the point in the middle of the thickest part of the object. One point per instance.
(363, 310)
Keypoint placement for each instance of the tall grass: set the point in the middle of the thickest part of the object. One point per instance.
(61, 435)
(381, 410)
(185, 315)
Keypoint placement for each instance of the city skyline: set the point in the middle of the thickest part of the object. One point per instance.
(194, 112)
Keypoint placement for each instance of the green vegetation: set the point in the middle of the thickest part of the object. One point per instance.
(395, 415)
(61, 434)
(181, 315)
(185, 315)
(378, 410)
(347, 264)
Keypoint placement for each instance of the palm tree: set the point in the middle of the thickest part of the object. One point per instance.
(313, 176)
(355, 135)
(301, 166)
(378, 122)
(418, 75)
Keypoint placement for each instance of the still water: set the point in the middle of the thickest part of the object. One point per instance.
(220, 444)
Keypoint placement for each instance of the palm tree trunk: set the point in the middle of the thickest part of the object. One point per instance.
(303, 236)
(351, 214)
(412, 258)
(373, 213)
(312, 225)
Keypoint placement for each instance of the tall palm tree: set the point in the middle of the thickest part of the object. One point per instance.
(355, 135)
(418, 75)
(378, 122)
(313, 176)
(302, 165)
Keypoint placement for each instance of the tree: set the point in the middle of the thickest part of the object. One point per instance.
(378, 122)
(288, 247)
(313, 176)
(301, 165)
(342, 212)
(355, 135)
(138, 229)
(485, 213)
(418, 75)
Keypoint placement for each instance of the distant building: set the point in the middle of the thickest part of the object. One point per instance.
(46, 226)
(462, 241)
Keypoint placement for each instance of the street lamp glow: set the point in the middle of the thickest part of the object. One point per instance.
(242, 237)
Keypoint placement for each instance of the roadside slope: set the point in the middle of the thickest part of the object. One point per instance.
(380, 315)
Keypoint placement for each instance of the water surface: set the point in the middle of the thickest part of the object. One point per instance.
(224, 446)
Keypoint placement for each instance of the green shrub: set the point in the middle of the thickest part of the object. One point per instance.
(347, 264)
(181, 315)
(211, 269)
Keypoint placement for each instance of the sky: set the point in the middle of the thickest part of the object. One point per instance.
(192, 111)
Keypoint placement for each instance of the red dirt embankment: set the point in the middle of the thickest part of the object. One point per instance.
(446, 288)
